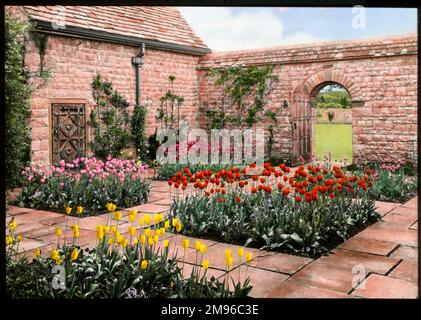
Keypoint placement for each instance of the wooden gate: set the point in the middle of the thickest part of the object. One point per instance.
(301, 129)
(68, 131)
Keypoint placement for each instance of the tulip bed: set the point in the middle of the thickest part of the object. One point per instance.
(86, 182)
(305, 213)
(117, 267)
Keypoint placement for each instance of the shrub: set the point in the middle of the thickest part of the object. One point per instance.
(17, 110)
(87, 182)
(117, 267)
(139, 132)
(305, 214)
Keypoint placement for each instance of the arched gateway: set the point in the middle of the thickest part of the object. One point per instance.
(304, 113)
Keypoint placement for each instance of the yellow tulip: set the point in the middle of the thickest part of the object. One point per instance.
(229, 262)
(142, 221)
(132, 231)
(178, 227)
(114, 229)
(55, 255)
(142, 239)
(174, 222)
(99, 232)
(249, 256)
(158, 218)
(111, 207)
(203, 248)
(124, 242)
(228, 253)
(131, 217)
(240, 252)
(158, 232)
(75, 227)
(110, 241)
(148, 218)
(205, 264)
(135, 241)
(59, 261)
(9, 240)
(68, 209)
(162, 231)
(166, 243)
(12, 225)
(79, 209)
(37, 252)
(197, 245)
(166, 224)
(76, 234)
(106, 229)
(144, 264)
(117, 215)
(150, 241)
(58, 231)
(133, 212)
(19, 238)
(155, 238)
(147, 232)
(74, 254)
(186, 243)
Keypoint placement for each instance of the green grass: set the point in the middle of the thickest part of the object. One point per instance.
(336, 139)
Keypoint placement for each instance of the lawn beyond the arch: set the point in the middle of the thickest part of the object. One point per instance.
(336, 139)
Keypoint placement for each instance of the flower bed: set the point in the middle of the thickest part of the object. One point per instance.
(395, 181)
(306, 213)
(136, 266)
(86, 182)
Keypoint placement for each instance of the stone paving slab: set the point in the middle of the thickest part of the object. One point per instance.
(14, 211)
(398, 220)
(149, 208)
(405, 253)
(280, 262)
(188, 268)
(349, 259)
(406, 270)
(39, 231)
(384, 207)
(407, 211)
(378, 286)
(85, 236)
(413, 203)
(263, 281)
(368, 246)
(326, 276)
(414, 226)
(36, 216)
(295, 289)
(396, 235)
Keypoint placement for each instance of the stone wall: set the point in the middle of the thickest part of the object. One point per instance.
(380, 74)
(340, 115)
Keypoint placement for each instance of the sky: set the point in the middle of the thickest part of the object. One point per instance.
(238, 28)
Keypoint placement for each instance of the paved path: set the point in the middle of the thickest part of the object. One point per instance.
(379, 262)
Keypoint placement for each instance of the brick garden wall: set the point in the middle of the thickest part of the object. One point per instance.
(75, 62)
(340, 115)
(380, 74)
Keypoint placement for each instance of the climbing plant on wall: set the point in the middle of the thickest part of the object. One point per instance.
(17, 108)
(169, 110)
(245, 92)
(109, 119)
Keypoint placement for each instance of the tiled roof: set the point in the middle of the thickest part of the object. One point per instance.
(322, 51)
(165, 24)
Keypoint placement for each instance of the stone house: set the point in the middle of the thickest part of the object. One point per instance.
(380, 75)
